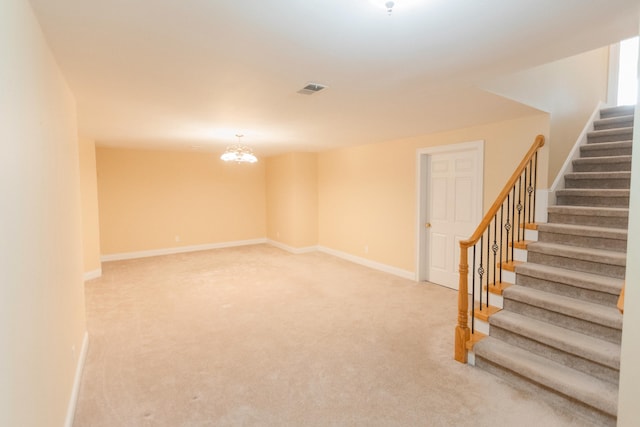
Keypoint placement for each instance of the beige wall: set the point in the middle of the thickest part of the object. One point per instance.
(164, 199)
(292, 199)
(568, 89)
(41, 287)
(89, 197)
(629, 410)
(367, 194)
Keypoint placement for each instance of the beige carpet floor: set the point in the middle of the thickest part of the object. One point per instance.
(255, 336)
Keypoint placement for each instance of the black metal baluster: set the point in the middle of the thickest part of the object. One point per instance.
(535, 185)
(519, 207)
(501, 222)
(529, 191)
(494, 248)
(513, 222)
(480, 271)
(508, 225)
(524, 202)
(488, 260)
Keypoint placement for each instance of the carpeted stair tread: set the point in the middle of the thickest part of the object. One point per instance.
(593, 197)
(593, 192)
(613, 122)
(602, 163)
(606, 135)
(579, 279)
(604, 159)
(605, 145)
(575, 252)
(602, 149)
(590, 211)
(599, 175)
(569, 382)
(584, 230)
(591, 312)
(621, 110)
(606, 216)
(585, 346)
(610, 180)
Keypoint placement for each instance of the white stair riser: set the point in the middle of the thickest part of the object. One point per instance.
(480, 326)
(531, 235)
(508, 277)
(520, 255)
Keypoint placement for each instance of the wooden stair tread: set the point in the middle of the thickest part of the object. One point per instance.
(497, 288)
(509, 265)
(486, 312)
(475, 338)
(521, 244)
(529, 226)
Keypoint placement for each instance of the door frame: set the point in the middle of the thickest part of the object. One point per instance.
(423, 198)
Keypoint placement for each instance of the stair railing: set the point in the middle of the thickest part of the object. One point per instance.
(492, 245)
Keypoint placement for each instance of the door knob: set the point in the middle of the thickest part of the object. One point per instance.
(427, 225)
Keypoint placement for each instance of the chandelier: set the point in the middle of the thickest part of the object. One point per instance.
(239, 153)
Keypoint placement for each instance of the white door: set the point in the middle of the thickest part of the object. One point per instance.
(452, 211)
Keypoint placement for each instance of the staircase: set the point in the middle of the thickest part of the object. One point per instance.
(559, 331)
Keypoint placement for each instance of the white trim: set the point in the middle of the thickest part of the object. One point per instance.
(422, 172)
(180, 249)
(471, 358)
(542, 203)
(614, 74)
(73, 399)
(368, 263)
(93, 274)
(567, 167)
(291, 249)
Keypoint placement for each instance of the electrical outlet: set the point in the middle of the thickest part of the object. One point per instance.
(177, 238)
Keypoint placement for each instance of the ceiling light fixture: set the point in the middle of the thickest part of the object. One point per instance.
(239, 153)
(389, 5)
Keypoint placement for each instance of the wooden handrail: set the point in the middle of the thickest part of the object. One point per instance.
(463, 332)
(537, 144)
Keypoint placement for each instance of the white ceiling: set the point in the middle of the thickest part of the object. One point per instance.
(183, 73)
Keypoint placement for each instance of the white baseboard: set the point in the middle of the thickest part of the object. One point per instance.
(291, 249)
(355, 259)
(368, 263)
(179, 249)
(73, 400)
(93, 274)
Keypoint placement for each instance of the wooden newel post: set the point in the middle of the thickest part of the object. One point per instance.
(462, 330)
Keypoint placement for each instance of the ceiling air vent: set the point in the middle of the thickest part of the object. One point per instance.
(311, 88)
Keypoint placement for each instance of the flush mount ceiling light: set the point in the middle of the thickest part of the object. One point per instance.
(393, 5)
(389, 5)
(239, 153)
